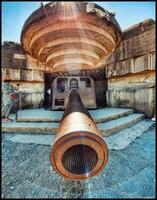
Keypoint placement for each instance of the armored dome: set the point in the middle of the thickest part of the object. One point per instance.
(70, 35)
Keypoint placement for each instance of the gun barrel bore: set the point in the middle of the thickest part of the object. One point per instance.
(79, 151)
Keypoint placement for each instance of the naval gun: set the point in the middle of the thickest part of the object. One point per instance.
(79, 151)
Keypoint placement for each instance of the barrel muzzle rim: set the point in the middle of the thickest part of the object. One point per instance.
(73, 139)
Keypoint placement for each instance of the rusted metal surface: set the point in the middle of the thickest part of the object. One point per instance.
(79, 152)
(68, 36)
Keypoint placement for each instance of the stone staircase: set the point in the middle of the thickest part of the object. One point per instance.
(108, 120)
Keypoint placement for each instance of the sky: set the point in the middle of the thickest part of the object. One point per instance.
(14, 14)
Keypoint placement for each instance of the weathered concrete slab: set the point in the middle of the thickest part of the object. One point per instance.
(116, 125)
(123, 138)
(39, 115)
(30, 127)
(107, 114)
(33, 139)
(116, 141)
(106, 128)
(42, 115)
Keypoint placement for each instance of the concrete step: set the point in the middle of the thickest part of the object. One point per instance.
(107, 114)
(123, 138)
(30, 127)
(116, 125)
(106, 128)
(41, 115)
(115, 141)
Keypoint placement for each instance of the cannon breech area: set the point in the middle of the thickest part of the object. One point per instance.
(79, 151)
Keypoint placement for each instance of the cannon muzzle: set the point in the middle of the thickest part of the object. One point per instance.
(79, 151)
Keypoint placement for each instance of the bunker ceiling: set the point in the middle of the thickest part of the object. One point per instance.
(69, 36)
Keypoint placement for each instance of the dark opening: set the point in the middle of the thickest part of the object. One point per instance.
(100, 92)
(59, 102)
(61, 82)
(48, 87)
(79, 159)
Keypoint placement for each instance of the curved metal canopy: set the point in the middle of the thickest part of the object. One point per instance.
(69, 36)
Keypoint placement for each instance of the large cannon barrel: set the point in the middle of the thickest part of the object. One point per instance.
(79, 151)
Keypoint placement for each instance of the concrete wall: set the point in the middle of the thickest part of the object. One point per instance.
(130, 70)
(24, 73)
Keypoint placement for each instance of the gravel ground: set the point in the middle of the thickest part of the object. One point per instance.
(129, 173)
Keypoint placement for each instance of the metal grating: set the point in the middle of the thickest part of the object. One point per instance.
(79, 159)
